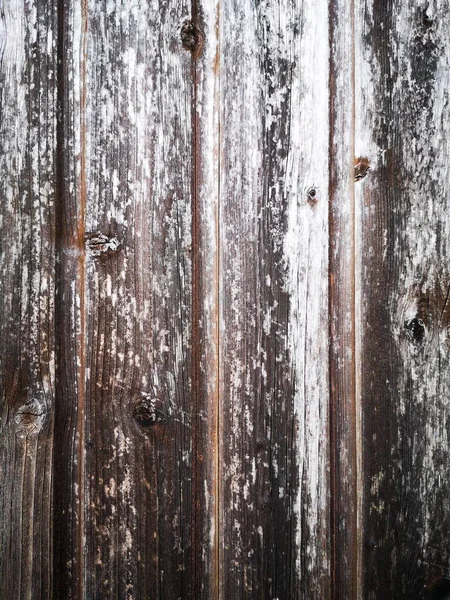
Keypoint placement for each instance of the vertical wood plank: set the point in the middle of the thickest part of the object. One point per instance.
(274, 133)
(128, 426)
(138, 223)
(28, 55)
(205, 296)
(402, 116)
(70, 302)
(343, 359)
(134, 474)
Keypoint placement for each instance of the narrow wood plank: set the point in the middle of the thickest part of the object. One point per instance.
(69, 465)
(28, 56)
(205, 297)
(274, 511)
(402, 116)
(343, 416)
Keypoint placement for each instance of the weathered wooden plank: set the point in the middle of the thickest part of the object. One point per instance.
(205, 295)
(274, 511)
(402, 116)
(28, 56)
(69, 465)
(343, 413)
(132, 473)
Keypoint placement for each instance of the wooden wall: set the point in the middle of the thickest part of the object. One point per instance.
(224, 299)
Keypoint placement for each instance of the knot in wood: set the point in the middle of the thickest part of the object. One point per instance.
(261, 445)
(362, 167)
(266, 504)
(191, 37)
(99, 243)
(31, 415)
(416, 329)
(148, 410)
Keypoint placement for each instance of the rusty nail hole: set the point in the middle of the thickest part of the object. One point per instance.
(362, 167)
(147, 410)
(416, 329)
(99, 243)
(312, 196)
(191, 37)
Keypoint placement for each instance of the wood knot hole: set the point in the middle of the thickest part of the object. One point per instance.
(312, 196)
(362, 167)
(191, 37)
(148, 410)
(416, 329)
(98, 244)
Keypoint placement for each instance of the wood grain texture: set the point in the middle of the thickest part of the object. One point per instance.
(274, 509)
(128, 474)
(142, 537)
(69, 465)
(342, 310)
(205, 273)
(224, 299)
(28, 56)
(402, 116)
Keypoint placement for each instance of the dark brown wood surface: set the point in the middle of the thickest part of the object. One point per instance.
(402, 116)
(132, 468)
(28, 66)
(224, 300)
(344, 448)
(97, 263)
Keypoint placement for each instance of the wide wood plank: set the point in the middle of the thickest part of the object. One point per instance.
(402, 116)
(274, 503)
(143, 519)
(134, 518)
(28, 100)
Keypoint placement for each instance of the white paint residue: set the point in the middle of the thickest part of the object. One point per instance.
(306, 257)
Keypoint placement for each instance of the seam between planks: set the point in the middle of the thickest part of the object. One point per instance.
(196, 345)
(217, 552)
(82, 289)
